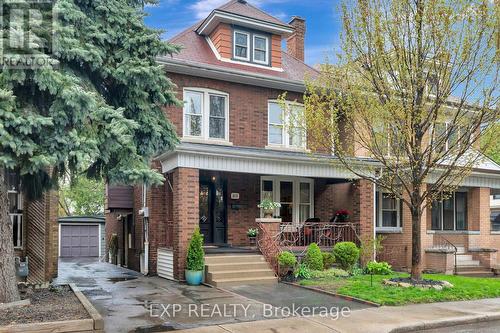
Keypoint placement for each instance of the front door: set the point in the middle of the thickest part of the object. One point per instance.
(213, 212)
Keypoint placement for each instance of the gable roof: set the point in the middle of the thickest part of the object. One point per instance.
(243, 8)
(196, 52)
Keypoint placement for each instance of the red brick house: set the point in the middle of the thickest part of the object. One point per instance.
(235, 150)
(35, 230)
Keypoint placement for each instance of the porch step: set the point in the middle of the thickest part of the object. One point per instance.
(462, 257)
(243, 281)
(477, 273)
(468, 263)
(460, 250)
(237, 269)
(212, 268)
(473, 268)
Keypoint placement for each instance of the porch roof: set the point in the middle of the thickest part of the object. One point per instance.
(290, 163)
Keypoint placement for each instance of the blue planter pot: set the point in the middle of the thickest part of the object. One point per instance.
(194, 278)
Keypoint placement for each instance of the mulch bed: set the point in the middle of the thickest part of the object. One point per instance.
(51, 304)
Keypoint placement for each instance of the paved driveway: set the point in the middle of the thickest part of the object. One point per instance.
(130, 302)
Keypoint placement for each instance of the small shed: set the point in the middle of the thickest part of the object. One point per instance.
(81, 236)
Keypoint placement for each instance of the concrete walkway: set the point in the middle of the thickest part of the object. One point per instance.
(376, 320)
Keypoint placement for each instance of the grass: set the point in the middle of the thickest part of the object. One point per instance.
(465, 288)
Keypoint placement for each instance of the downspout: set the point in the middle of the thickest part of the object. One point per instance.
(145, 220)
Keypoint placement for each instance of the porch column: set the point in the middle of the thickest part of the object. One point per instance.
(478, 217)
(185, 198)
(363, 208)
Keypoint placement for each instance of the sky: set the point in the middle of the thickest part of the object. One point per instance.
(323, 20)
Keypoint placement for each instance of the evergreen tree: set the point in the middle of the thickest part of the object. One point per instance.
(98, 98)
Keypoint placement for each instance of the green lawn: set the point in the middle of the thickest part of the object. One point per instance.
(466, 288)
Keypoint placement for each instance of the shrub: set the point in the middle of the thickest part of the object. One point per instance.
(346, 254)
(313, 258)
(195, 260)
(329, 273)
(287, 259)
(328, 260)
(303, 272)
(378, 268)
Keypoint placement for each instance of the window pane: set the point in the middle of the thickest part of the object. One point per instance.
(260, 55)
(305, 193)
(296, 138)
(495, 221)
(390, 219)
(286, 212)
(388, 202)
(286, 192)
(13, 202)
(241, 52)
(275, 114)
(436, 215)
(276, 134)
(448, 214)
(241, 39)
(304, 212)
(267, 189)
(193, 102)
(217, 128)
(193, 125)
(217, 106)
(260, 43)
(461, 210)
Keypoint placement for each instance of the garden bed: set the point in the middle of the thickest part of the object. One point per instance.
(61, 309)
(464, 288)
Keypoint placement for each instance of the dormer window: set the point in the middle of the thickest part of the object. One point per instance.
(252, 47)
(241, 45)
(260, 49)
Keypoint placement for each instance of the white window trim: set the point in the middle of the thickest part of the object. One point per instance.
(205, 115)
(296, 195)
(380, 214)
(247, 58)
(266, 62)
(285, 137)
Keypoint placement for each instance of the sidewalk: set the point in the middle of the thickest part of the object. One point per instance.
(376, 320)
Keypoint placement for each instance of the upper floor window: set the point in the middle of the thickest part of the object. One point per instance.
(251, 47)
(206, 114)
(450, 213)
(241, 45)
(281, 131)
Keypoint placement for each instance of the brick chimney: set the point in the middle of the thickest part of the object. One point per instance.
(295, 43)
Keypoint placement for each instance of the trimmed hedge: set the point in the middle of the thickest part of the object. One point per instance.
(314, 259)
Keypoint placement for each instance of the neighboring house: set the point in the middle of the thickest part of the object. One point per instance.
(35, 233)
(82, 236)
(236, 150)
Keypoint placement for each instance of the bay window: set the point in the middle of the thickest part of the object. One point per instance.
(450, 213)
(389, 212)
(296, 196)
(206, 114)
(281, 130)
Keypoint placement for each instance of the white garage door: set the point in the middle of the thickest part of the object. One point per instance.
(79, 240)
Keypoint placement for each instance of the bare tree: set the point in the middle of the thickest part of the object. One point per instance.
(416, 83)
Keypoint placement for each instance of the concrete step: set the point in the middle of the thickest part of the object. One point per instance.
(481, 273)
(243, 281)
(254, 273)
(470, 268)
(461, 257)
(468, 263)
(236, 266)
(460, 249)
(233, 258)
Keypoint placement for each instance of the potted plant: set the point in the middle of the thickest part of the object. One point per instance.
(112, 248)
(195, 261)
(342, 215)
(268, 206)
(252, 234)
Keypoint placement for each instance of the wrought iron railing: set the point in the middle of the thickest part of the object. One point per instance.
(323, 234)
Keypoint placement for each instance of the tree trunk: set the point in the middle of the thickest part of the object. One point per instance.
(416, 265)
(8, 280)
